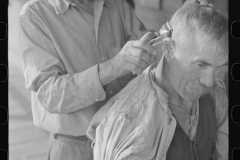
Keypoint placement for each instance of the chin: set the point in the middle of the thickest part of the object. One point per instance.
(190, 96)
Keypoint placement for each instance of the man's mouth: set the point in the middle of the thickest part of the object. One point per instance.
(198, 89)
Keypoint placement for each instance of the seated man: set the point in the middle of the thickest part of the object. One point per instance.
(176, 109)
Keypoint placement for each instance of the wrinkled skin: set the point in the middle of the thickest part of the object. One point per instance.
(192, 63)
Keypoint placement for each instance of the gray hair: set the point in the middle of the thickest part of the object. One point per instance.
(201, 18)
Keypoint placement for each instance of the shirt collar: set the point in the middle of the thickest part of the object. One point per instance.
(149, 74)
(62, 6)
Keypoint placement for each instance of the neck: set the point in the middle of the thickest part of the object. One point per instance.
(161, 79)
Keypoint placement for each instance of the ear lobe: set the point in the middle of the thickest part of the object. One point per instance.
(168, 48)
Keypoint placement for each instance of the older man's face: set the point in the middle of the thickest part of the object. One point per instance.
(197, 59)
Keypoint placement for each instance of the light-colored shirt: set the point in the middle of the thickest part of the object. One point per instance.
(62, 46)
(138, 122)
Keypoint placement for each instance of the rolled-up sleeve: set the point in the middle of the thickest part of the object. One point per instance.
(45, 74)
(220, 151)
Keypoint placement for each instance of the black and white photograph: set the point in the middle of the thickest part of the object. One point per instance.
(118, 79)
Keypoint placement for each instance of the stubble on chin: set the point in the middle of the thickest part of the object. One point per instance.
(195, 89)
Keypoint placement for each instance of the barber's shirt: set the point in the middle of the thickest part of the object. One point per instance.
(62, 46)
(138, 123)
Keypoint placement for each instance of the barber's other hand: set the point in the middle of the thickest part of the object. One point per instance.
(202, 2)
(134, 57)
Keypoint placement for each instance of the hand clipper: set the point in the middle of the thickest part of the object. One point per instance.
(164, 32)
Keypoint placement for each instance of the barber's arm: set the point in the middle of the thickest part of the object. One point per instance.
(220, 150)
(61, 92)
(45, 74)
(134, 57)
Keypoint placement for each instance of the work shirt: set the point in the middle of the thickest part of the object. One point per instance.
(138, 123)
(62, 46)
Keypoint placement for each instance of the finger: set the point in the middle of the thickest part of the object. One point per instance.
(134, 68)
(210, 4)
(148, 36)
(187, 2)
(148, 48)
(138, 62)
(204, 2)
(153, 59)
(139, 53)
(135, 63)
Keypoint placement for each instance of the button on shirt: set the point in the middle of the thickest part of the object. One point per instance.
(138, 123)
(62, 46)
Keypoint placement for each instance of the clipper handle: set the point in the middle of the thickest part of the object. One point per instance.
(164, 32)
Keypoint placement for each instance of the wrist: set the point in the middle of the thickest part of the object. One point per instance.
(106, 73)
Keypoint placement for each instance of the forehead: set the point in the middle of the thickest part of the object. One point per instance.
(202, 46)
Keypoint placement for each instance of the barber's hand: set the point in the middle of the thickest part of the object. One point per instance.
(202, 2)
(134, 57)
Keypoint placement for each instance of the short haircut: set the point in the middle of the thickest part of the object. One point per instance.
(201, 18)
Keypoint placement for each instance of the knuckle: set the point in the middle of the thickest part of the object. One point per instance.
(140, 70)
(139, 52)
(141, 43)
(142, 64)
(128, 44)
(142, 54)
(145, 56)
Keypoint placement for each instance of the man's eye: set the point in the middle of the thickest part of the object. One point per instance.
(200, 64)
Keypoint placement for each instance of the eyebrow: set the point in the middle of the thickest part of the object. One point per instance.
(201, 61)
(206, 63)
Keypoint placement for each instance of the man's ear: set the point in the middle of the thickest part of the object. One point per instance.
(168, 48)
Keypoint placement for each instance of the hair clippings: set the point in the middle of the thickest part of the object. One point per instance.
(165, 31)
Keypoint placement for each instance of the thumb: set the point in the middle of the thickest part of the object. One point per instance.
(203, 2)
(148, 36)
(187, 2)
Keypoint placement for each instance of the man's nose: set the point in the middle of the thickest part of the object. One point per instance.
(208, 78)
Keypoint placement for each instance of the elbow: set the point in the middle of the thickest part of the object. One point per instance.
(54, 104)
(47, 100)
(44, 99)
(50, 104)
(33, 84)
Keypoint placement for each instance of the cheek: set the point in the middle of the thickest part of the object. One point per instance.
(194, 88)
(179, 82)
(182, 87)
(189, 84)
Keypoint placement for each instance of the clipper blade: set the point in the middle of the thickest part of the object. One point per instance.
(164, 32)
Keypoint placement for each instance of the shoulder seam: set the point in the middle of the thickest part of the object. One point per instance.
(25, 9)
